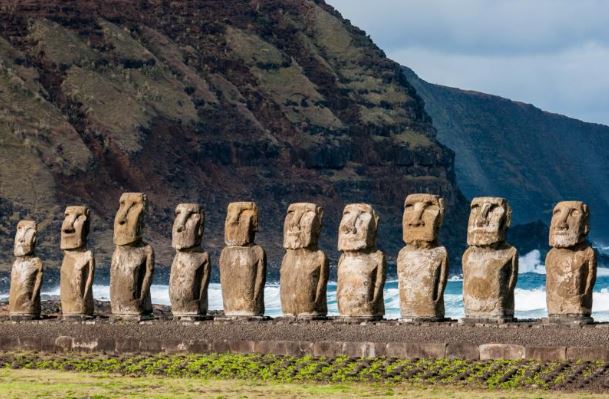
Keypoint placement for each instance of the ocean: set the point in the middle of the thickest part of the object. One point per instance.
(530, 297)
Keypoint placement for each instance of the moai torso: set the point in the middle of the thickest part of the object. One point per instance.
(132, 261)
(422, 264)
(570, 264)
(26, 274)
(242, 263)
(361, 268)
(78, 266)
(490, 265)
(489, 278)
(190, 269)
(304, 268)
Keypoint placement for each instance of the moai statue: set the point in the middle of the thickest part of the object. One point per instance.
(422, 264)
(78, 266)
(26, 275)
(570, 265)
(242, 263)
(190, 268)
(304, 269)
(490, 265)
(361, 267)
(132, 261)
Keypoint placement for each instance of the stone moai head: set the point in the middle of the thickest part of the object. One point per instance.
(241, 223)
(129, 220)
(569, 224)
(188, 226)
(489, 219)
(75, 227)
(357, 228)
(302, 225)
(25, 239)
(423, 215)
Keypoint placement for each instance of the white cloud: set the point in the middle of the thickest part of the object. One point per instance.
(552, 53)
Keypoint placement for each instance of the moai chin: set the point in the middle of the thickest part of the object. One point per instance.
(242, 263)
(570, 265)
(490, 265)
(361, 267)
(304, 268)
(190, 269)
(78, 266)
(26, 274)
(422, 264)
(132, 261)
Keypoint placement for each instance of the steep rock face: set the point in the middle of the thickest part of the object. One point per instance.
(209, 102)
(515, 150)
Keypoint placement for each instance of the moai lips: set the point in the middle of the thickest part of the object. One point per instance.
(490, 265)
(361, 268)
(422, 264)
(189, 278)
(304, 269)
(242, 263)
(78, 266)
(132, 261)
(26, 274)
(570, 265)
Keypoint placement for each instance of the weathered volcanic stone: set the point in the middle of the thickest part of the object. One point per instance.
(304, 268)
(570, 265)
(26, 275)
(490, 265)
(132, 261)
(242, 263)
(78, 266)
(190, 269)
(361, 267)
(422, 264)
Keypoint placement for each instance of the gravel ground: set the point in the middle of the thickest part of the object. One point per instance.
(524, 333)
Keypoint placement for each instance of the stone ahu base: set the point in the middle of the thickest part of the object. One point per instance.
(386, 338)
(568, 319)
(495, 320)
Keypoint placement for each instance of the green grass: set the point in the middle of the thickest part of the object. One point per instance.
(498, 375)
(63, 384)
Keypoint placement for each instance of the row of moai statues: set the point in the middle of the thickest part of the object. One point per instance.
(490, 264)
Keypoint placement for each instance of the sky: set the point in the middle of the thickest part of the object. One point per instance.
(550, 53)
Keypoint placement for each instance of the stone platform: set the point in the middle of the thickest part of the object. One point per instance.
(329, 338)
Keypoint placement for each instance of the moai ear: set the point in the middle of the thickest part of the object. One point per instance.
(586, 218)
(508, 216)
(442, 209)
(376, 219)
(255, 218)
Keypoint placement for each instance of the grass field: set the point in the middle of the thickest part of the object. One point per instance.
(65, 384)
(97, 375)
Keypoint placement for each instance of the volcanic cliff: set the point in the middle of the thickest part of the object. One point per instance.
(211, 101)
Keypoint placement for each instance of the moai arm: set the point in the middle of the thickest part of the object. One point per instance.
(324, 272)
(514, 272)
(441, 283)
(204, 277)
(380, 277)
(260, 273)
(90, 274)
(38, 281)
(591, 272)
(147, 281)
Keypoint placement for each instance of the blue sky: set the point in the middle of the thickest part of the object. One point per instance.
(551, 53)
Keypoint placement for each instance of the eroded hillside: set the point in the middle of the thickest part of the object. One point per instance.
(206, 101)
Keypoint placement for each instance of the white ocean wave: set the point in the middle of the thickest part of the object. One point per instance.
(529, 302)
(531, 263)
